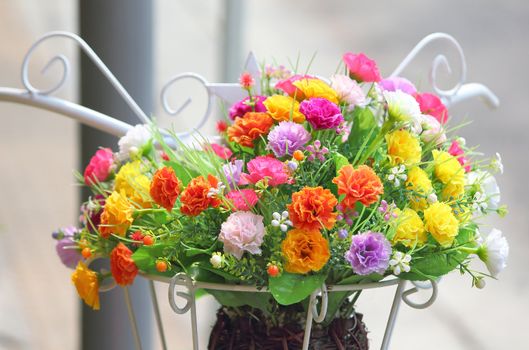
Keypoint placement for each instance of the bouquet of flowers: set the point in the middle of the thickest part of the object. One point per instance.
(339, 181)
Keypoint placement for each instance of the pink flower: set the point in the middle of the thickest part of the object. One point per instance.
(321, 113)
(242, 231)
(239, 109)
(221, 151)
(432, 130)
(99, 167)
(432, 105)
(287, 84)
(246, 80)
(361, 67)
(348, 90)
(398, 83)
(243, 199)
(263, 167)
(456, 150)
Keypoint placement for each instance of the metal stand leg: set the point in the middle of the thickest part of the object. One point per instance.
(157, 315)
(132, 318)
(393, 315)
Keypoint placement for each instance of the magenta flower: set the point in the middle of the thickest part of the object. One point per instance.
(242, 231)
(369, 253)
(361, 68)
(100, 166)
(398, 83)
(268, 168)
(221, 151)
(239, 109)
(458, 152)
(316, 151)
(66, 247)
(321, 113)
(243, 199)
(287, 137)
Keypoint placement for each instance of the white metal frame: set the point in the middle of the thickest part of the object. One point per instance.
(230, 93)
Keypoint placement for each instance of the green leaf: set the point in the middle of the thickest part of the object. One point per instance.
(335, 300)
(182, 173)
(260, 300)
(291, 288)
(358, 279)
(340, 161)
(145, 258)
(363, 123)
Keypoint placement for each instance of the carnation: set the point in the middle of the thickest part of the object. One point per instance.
(268, 168)
(233, 171)
(397, 83)
(243, 231)
(221, 151)
(402, 107)
(432, 130)
(243, 199)
(239, 109)
(321, 113)
(133, 141)
(441, 222)
(99, 167)
(286, 138)
(361, 67)
(432, 105)
(494, 252)
(369, 253)
(123, 268)
(348, 90)
(66, 247)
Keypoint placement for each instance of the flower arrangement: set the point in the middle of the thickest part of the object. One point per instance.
(342, 181)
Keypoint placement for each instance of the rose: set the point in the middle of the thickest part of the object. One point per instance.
(99, 167)
(361, 68)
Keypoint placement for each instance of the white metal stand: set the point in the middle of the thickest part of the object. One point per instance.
(230, 93)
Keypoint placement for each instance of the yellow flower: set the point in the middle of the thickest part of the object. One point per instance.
(419, 183)
(87, 284)
(446, 166)
(132, 183)
(403, 148)
(116, 217)
(455, 188)
(305, 251)
(310, 88)
(281, 107)
(410, 229)
(441, 222)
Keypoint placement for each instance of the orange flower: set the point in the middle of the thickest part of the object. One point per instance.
(248, 128)
(86, 282)
(312, 208)
(195, 197)
(360, 184)
(123, 268)
(305, 251)
(165, 188)
(116, 217)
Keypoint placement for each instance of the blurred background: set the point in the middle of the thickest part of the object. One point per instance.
(39, 308)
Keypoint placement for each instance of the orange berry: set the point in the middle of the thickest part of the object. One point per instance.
(161, 266)
(86, 252)
(273, 270)
(148, 240)
(298, 155)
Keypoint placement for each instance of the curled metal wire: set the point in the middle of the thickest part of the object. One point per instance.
(63, 60)
(420, 285)
(181, 279)
(440, 61)
(319, 317)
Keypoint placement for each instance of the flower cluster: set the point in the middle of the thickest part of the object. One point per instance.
(325, 181)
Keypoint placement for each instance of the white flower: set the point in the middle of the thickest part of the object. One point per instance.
(348, 90)
(480, 283)
(432, 198)
(134, 140)
(403, 108)
(494, 252)
(432, 130)
(496, 163)
(487, 186)
(281, 221)
(397, 174)
(217, 260)
(400, 262)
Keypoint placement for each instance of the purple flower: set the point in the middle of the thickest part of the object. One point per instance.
(287, 137)
(342, 233)
(315, 151)
(321, 113)
(370, 252)
(233, 171)
(239, 109)
(397, 83)
(66, 247)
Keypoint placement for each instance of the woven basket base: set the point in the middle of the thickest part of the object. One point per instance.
(250, 332)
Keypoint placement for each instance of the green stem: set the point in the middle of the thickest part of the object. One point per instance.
(386, 127)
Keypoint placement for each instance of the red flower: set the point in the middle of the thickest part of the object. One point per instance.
(165, 188)
(222, 126)
(123, 268)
